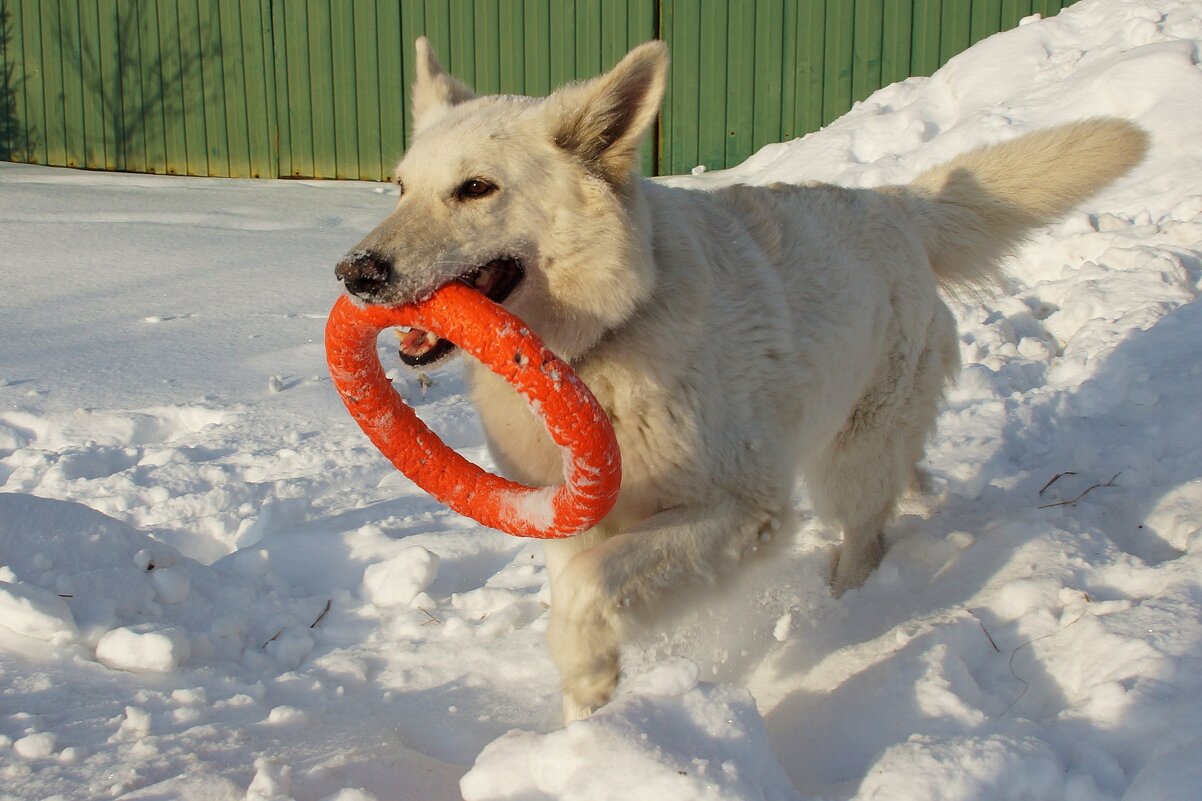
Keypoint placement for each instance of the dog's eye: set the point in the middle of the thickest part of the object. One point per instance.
(475, 188)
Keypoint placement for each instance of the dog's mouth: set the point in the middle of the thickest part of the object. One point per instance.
(495, 280)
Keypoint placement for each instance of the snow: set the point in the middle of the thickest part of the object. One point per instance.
(213, 588)
(399, 579)
(145, 648)
(671, 738)
(34, 612)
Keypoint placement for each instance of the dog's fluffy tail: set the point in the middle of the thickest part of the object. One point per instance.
(977, 208)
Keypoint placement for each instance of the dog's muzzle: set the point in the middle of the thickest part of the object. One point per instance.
(364, 274)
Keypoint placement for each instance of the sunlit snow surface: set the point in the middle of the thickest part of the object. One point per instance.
(213, 587)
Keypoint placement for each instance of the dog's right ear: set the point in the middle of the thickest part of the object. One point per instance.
(434, 91)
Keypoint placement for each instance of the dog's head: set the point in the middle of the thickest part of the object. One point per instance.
(533, 201)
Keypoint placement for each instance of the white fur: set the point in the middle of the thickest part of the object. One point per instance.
(739, 338)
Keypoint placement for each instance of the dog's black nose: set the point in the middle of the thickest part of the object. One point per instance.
(363, 273)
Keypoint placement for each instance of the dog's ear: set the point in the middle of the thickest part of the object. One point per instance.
(602, 122)
(435, 90)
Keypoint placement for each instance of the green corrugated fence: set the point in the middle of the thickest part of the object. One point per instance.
(746, 73)
(343, 69)
(177, 87)
(318, 88)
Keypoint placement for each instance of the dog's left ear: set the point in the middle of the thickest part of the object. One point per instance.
(602, 122)
(435, 90)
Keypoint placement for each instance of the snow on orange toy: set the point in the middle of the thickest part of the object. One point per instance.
(505, 345)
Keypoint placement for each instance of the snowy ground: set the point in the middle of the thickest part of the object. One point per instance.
(212, 587)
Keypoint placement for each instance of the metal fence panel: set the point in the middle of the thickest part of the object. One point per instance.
(343, 68)
(173, 86)
(319, 88)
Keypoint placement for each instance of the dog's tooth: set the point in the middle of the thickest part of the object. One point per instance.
(413, 341)
(482, 277)
(431, 339)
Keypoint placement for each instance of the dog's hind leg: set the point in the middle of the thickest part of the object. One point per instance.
(859, 477)
(594, 594)
(856, 486)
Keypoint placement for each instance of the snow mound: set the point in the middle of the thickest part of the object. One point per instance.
(34, 612)
(80, 577)
(399, 580)
(672, 739)
(144, 648)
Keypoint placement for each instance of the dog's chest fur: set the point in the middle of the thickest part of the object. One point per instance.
(652, 450)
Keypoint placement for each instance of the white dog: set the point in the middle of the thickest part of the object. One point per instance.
(739, 338)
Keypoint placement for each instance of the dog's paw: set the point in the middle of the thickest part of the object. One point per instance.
(584, 645)
(573, 710)
(588, 668)
(584, 693)
(922, 482)
(849, 570)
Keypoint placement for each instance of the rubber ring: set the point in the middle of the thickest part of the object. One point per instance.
(502, 342)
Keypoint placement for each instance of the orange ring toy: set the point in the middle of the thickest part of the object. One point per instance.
(503, 343)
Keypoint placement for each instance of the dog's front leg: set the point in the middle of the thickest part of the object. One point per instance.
(595, 592)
